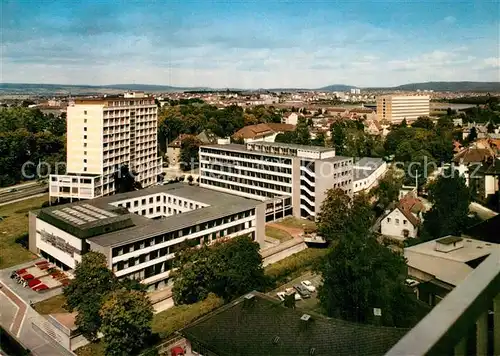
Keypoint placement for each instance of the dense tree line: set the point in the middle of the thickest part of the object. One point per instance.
(193, 119)
(28, 135)
(350, 139)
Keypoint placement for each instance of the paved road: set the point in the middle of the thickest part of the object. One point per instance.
(15, 316)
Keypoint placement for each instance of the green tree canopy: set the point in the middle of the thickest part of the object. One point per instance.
(340, 214)
(387, 190)
(86, 292)
(126, 322)
(424, 122)
(451, 198)
(228, 269)
(189, 153)
(358, 275)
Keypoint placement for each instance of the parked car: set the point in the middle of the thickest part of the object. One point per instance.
(281, 295)
(303, 291)
(309, 286)
(297, 295)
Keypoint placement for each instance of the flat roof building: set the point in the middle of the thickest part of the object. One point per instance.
(140, 231)
(103, 134)
(295, 177)
(396, 108)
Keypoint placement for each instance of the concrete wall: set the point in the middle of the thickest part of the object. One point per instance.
(260, 224)
(32, 233)
(296, 186)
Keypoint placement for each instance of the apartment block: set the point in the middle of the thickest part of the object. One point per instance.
(140, 231)
(396, 108)
(103, 134)
(291, 179)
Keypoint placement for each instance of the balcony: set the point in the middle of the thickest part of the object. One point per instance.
(465, 322)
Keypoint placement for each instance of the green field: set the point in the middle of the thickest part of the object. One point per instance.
(14, 224)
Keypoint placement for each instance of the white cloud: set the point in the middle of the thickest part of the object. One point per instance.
(449, 19)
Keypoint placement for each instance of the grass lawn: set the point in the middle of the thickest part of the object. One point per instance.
(14, 225)
(171, 320)
(92, 349)
(51, 305)
(277, 234)
(297, 223)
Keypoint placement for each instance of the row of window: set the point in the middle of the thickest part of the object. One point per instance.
(250, 182)
(397, 221)
(231, 163)
(118, 251)
(248, 173)
(164, 251)
(249, 156)
(237, 188)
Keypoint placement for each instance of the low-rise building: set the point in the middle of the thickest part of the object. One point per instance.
(140, 231)
(442, 264)
(262, 132)
(367, 172)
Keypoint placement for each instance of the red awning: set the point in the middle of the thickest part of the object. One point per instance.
(21, 271)
(42, 263)
(177, 351)
(28, 276)
(33, 282)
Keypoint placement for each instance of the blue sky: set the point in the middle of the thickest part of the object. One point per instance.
(250, 44)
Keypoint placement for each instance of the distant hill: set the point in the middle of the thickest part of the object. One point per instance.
(450, 86)
(338, 87)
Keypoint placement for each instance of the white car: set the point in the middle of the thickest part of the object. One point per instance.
(281, 295)
(309, 286)
(290, 290)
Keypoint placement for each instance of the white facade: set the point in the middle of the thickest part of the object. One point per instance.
(366, 178)
(291, 119)
(139, 232)
(298, 175)
(398, 225)
(102, 135)
(396, 108)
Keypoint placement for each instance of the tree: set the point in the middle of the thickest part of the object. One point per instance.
(472, 135)
(228, 269)
(491, 127)
(451, 198)
(286, 137)
(238, 268)
(189, 153)
(403, 123)
(339, 136)
(126, 322)
(387, 190)
(86, 292)
(340, 214)
(424, 122)
(358, 275)
(319, 140)
(302, 136)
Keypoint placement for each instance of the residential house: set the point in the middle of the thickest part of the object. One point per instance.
(440, 265)
(481, 130)
(174, 149)
(290, 118)
(262, 132)
(469, 159)
(404, 219)
(486, 181)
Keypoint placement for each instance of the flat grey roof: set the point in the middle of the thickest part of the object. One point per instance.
(292, 145)
(219, 205)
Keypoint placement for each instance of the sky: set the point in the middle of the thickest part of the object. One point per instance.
(249, 44)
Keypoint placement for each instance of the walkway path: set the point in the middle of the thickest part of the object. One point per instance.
(15, 316)
(294, 231)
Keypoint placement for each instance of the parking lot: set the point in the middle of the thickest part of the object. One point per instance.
(306, 304)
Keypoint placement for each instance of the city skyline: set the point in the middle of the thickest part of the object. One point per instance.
(250, 45)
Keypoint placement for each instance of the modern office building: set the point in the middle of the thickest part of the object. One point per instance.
(103, 134)
(292, 179)
(140, 231)
(396, 108)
